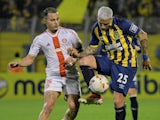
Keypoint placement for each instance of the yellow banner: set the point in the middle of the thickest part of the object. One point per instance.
(18, 86)
(31, 85)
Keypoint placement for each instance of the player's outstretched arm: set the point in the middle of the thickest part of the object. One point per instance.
(26, 61)
(144, 44)
(88, 51)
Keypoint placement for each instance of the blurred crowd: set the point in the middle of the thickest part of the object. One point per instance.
(20, 12)
(135, 8)
(24, 8)
(125, 8)
(130, 8)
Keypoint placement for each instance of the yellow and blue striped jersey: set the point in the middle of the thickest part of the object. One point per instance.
(117, 41)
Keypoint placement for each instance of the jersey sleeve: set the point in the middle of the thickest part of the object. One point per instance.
(94, 41)
(136, 41)
(35, 47)
(76, 41)
(128, 27)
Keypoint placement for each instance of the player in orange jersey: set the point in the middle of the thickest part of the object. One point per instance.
(54, 42)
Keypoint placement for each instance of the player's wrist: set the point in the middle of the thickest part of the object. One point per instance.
(145, 57)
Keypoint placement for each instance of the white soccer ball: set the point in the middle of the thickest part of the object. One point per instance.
(99, 84)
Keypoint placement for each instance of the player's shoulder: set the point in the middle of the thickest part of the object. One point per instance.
(40, 36)
(43, 34)
(95, 25)
(65, 30)
(120, 20)
(122, 23)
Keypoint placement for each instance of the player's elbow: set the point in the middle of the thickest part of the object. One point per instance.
(143, 35)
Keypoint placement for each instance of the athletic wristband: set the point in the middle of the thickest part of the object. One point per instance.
(145, 57)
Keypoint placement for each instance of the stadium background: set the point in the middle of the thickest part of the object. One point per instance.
(17, 32)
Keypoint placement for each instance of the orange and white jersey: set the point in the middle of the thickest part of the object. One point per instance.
(55, 48)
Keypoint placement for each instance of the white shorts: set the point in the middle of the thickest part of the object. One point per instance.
(57, 83)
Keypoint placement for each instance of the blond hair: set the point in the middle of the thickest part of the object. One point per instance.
(105, 13)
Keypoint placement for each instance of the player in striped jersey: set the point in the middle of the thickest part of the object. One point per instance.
(116, 36)
(132, 92)
(54, 42)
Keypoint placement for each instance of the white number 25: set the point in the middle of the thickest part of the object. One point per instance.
(122, 78)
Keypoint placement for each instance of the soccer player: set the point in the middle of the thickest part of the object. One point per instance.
(54, 42)
(116, 35)
(133, 86)
(132, 92)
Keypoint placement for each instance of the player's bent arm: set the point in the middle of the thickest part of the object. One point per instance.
(144, 45)
(88, 51)
(26, 61)
(143, 38)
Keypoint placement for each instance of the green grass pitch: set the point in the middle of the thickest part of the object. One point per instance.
(149, 109)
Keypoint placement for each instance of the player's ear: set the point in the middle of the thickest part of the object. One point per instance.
(43, 21)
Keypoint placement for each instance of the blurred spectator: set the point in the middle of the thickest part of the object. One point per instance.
(132, 8)
(48, 3)
(145, 8)
(16, 11)
(20, 4)
(28, 9)
(119, 7)
(18, 69)
(4, 14)
(14, 14)
(4, 7)
(156, 8)
(8, 9)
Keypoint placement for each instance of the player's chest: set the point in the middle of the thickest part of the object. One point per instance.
(56, 42)
(111, 36)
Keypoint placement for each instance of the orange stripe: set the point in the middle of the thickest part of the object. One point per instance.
(60, 57)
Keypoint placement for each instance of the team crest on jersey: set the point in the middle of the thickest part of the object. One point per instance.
(116, 35)
(64, 40)
(101, 38)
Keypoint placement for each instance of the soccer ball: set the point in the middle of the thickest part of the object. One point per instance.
(99, 84)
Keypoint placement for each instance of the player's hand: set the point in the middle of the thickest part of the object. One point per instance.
(13, 65)
(69, 62)
(146, 64)
(73, 52)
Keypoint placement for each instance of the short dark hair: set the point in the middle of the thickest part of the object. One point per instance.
(48, 10)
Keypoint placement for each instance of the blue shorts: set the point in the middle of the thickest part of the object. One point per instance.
(121, 77)
(134, 83)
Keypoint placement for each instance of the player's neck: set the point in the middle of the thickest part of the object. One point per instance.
(52, 31)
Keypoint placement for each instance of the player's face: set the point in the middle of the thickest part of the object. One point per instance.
(52, 22)
(104, 24)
